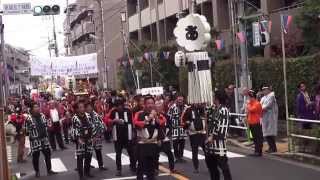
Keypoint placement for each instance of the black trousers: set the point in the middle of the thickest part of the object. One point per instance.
(272, 143)
(147, 160)
(66, 133)
(47, 158)
(166, 148)
(214, 162)
(257, 134)
(99, 157)
(178, 147)
(55, 135)
(119, 146)
(196, 141)
(83, 163)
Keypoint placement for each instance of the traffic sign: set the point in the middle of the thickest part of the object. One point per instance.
(17, 8)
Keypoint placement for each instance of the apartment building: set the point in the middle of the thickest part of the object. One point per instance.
(154, 20)
(18, 68)
(84, 34)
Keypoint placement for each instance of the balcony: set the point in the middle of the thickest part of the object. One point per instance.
(89, 48)
(88, 27)
(81, 16)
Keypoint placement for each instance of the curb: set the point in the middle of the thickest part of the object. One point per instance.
(306, 159)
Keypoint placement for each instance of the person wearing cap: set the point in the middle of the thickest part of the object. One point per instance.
(120, 121)
(269, 118)
(254, 114)
(148, 124)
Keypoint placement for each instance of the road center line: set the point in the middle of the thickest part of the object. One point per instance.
(133, 177)
(175, 175)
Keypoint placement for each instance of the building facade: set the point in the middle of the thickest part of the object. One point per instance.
(17, 73)
(95, 26)
(154, 20)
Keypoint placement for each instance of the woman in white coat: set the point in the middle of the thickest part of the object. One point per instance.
(269, 118)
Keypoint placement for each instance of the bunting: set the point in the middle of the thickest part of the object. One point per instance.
(285, 22)
(241, 36)
(219, 44)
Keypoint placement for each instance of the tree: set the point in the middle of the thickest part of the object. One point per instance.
(309, 22)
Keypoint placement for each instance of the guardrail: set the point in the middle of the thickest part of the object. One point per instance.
(301, 135)
(241, 118)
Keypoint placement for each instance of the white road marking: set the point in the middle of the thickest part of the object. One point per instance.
(188, 154)
(125, 160)
(57, 165)
(134, 177)
(94, 163)
(231, 154)
(163, 158)
(234, 155)
(9, 154)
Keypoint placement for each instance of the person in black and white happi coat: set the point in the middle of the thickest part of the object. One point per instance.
(120, 120)
(193, 120)
(36, 129)
(165, 134)
(178, 132)
(215, 147)
(82, 134)
(148, 123)
(98, 131)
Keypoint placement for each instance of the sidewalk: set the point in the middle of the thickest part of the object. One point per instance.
(283, 152)
(12, 149)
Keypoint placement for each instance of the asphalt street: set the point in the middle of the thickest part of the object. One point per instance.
(243, 167)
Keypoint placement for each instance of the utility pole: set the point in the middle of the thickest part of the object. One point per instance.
(126, 46)
(103, 44)
(56, 51)
(158, 24)
(140, 24)
(234, 52)
(4, 166)
(68, 30)
(243, 47)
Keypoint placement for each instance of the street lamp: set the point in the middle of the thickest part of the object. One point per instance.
(123, 16)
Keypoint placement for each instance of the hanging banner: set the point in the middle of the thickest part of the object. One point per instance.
(64, 66)
(256, 34)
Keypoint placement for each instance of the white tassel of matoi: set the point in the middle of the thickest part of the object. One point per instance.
(199, 78)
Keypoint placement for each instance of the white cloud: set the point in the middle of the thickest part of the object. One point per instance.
(30, 32)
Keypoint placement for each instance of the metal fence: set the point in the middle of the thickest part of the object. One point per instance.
(241, 124)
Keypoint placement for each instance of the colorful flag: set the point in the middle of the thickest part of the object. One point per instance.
(285, 22)
(162, 55)
(270, 26)
(219, 44)
(167, 55)
(131, 61)
(242, 37)
(141, 59)
(146, 56)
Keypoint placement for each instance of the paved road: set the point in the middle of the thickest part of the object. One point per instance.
(243, 167)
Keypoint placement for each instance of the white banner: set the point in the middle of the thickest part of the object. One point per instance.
(64, 66)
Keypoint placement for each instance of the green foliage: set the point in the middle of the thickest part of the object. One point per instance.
(164, 71)
(269, 71)
(309, 21)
